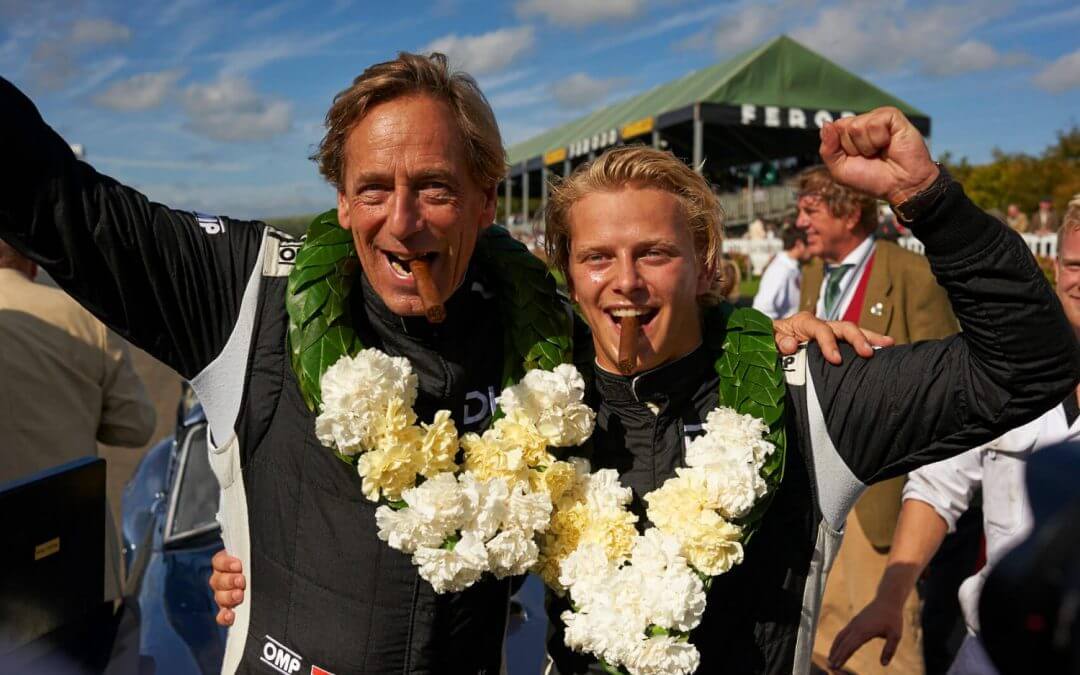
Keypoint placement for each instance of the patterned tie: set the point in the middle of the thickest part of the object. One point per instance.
(835, 274)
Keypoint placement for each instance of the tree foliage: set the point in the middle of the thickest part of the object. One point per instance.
(1022, 179)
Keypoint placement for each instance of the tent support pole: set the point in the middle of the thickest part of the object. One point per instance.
(699, 138)
(656, 139)
(506, 196)
(543, 187)
(525, 194)
(566, 167)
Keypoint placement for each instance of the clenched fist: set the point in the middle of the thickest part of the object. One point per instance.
(880, 153)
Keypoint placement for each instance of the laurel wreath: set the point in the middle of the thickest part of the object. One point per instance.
(751, 382)
(537, 329)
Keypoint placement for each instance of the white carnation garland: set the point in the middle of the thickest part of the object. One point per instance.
(510, 506)
(456, 521)
(636, 597)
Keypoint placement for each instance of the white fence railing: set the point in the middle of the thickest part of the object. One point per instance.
(761, 251)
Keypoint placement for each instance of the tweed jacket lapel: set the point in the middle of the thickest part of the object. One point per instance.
(813, 273)
(878, 305)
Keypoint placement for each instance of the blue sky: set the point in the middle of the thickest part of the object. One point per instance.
(215, 106)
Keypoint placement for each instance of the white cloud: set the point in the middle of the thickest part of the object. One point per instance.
(887, 37)
(244, 201)
(230, 110)
(96, 32)
(523, 96)
(486, 53)
(746, 28)
(966, 57)
(1062, 74)
(581, 90)
(493, 82)
(171, 165)
(57, 61)
(140, 92)
(578, 13)
(268, 49)
(671, 23)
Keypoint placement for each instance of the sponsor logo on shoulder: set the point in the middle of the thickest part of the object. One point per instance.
(279, 657)
(315, 670)
(210, 224)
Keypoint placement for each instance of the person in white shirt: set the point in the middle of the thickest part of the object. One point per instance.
(778, 293)
(936, 495)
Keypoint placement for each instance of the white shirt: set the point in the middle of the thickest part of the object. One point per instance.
(998, 467)
(857, 259)
(778, 294)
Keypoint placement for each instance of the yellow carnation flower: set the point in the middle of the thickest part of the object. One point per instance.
(578, 524)
(518, 431)
(681, 508)
(388, 470)
(488, 458)
(556, 479)
(439, 446)
(712, 545)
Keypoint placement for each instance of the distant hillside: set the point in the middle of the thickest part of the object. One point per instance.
(291, 224)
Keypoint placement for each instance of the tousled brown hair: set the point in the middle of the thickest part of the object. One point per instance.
(841, 200)
(640, 167)
(413, 74)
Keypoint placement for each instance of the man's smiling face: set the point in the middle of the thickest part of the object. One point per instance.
(408, 193)
(631, 252)
(1068, 276)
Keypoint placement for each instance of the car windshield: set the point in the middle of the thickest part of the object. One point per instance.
(193, 500)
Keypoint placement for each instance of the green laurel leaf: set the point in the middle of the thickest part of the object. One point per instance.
(537, 328)
(751, 381)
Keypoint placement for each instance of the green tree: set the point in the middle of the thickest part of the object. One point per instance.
(1022, 179)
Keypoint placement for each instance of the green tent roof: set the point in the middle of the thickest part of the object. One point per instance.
(780, 72)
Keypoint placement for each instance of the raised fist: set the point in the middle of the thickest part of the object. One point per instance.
(880, 153)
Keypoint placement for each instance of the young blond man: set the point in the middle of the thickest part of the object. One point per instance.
(638, 232)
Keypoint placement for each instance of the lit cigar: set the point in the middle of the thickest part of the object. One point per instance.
(628, 339)
(429, 292)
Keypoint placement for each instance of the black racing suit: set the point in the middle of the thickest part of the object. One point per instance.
(848, 426)
(205, 295)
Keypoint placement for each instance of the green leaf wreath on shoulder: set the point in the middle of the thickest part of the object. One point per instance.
(537, 328)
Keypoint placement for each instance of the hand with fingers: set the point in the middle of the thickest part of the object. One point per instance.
(805, 327)
(882, 618)
(228, 584)
(880, 153)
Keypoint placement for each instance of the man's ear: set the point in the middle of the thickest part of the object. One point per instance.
(491, 203)
(706, 277)
(852, 220)
(342, 210)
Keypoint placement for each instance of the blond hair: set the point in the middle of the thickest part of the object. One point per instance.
(637, 166)
(413, 74)
(841, 200)
(1070, 223)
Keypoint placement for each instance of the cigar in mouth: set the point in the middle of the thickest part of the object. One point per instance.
(429, 292)
(628, 340)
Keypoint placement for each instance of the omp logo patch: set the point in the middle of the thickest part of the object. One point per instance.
(287, 251)
(210, 224)
(279, 657)
(280, 255)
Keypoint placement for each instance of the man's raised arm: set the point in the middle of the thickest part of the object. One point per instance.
(1015, 358)
(169, 281)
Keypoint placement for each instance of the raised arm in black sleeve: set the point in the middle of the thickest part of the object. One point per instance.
(168, 281)
(919, 403)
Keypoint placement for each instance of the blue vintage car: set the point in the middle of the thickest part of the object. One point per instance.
(170, 533)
